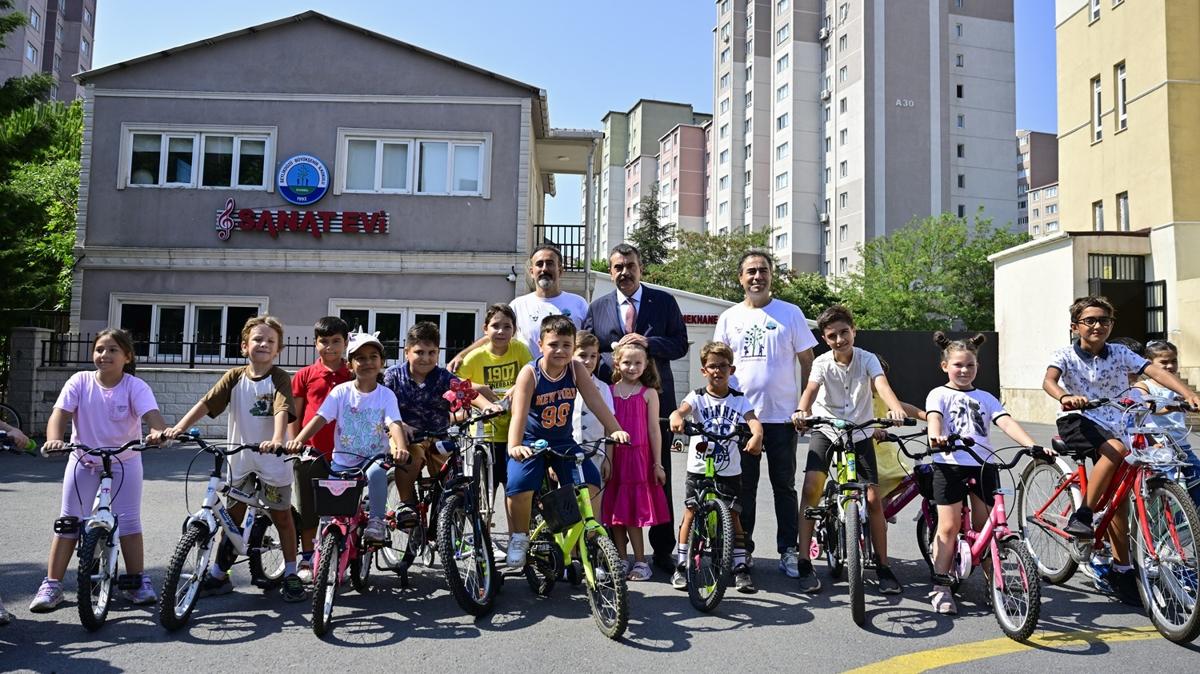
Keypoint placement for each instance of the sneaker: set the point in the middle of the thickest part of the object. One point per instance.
(212, 586)
(293, 588)
(375, 531)
(144, 595)
(809, 583)
(1124, 586)
(304, 570)
(942, 600)
(640, 571)
(406, 517)
(1080, 525)
(518, 548)
(787, 562)
(679, 578)
(888, 583)
(742, 581)
(5, 616)
(48, 597)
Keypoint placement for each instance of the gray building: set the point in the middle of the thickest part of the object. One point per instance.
(847, 119)
(57, 38)
(434, 172)
(1037, 167)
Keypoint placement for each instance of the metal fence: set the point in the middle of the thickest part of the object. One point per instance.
(569, 239)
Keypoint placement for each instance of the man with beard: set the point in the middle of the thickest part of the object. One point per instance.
(547, 299)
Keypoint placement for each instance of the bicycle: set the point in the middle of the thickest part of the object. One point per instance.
(341, 545)
(841, 516)
(1015, 590)
(1162, 538)
(563, 523)
(99, 548)
(710, 538)
(919, 482)
(189, 564)
(7, 444)
(9, 416)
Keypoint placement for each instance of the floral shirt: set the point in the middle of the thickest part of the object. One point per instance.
(1105, 375)
(421, 404)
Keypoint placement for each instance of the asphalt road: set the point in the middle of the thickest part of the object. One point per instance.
(392, 627)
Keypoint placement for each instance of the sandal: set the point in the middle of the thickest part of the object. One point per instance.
(942, 600)
(640, 571)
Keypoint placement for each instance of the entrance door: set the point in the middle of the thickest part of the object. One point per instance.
(1129, 300)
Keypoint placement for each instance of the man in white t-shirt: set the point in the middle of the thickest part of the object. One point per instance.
(766, 334)
(547, 299)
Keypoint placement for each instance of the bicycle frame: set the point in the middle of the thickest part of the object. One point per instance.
(985, 540)
(346, 527)
(215, 515)
(573, 537)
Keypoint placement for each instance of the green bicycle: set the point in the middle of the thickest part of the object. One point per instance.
(563, 523)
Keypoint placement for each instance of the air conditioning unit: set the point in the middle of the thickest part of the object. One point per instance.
(824, 34)
(825, 94)
(824, 218)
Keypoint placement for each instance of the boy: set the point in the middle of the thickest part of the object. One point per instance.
(720, 410)
(258, 396)
(310, 386)
(1089, 369)
(840, 388)
(543, 404)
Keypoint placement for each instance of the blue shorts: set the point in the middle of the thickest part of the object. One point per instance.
(527, 475)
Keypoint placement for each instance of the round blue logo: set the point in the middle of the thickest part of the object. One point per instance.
(302, 180)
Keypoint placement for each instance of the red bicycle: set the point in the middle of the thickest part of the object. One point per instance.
(1162, 538)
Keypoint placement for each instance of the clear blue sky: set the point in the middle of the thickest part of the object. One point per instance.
(590, 56)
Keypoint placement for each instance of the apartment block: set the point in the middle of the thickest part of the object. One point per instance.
(1037, 166)
(1043, 212)
(682, 171)
(57, 38)
(846, 120)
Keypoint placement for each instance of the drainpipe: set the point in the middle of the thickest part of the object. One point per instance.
(588, 214)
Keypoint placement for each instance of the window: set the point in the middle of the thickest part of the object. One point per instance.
(233, 161)
(958, 30)
(843, 43)
(1122, 109)
(828, 144)
(161, 159)
(1123, 224)
(843, 265)
(35, 19)
(958, 4)
(725, 32)
(781, 6)
(1033, 196)
(747, 177)
(392, 319)
(842, 106)
(1098, 216)
(783, 33)
(962, 211)
(724, 131)
(781, 240)
(843, 73)
(725, 81)
(408, 163)
(781, 180)
(782, 63)
(1052, 191)
(1037, 229)
(782, 92)
(725, 56)
(723, 158)
(724, 7)
(1097, 110)
(54, 92)
(1051, 209)
(1052, 226)
(961, 150)
(781, 122)
(84, 47)
(961, 121)
(842, 136)
(1023, 204)
(183, 328)
(1035, 212)
(724, 105)
(723, 208)
(843, 200)
(746, 125)
(748, 99)
(31, 53)
(843, 232)
(844, 168)
(958, 60)
(57, 63)
(750, 73)
(958, 91)
(723, 183)
(962, 180)
(828, 175)
(87, 17)
(843, 13)
(1095, 13)
(828, 114)
(781, 151)
(749, 44)
(781, 211)
(749, 151)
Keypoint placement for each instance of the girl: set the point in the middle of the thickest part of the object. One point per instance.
(1166, 355)
(634, 497)
(104, 408)
(959, 408)
(585, 426)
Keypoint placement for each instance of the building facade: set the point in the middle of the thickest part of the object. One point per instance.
(1037, 166)
(1044, 217)
(846, 120)
(57, 38)
(682, 168)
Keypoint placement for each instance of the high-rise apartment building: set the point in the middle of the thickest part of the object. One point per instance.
(1037, 166)
(57, 38)
(682, 169)
(837, 122)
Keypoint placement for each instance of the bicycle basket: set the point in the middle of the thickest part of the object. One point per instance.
(336, 498)
(924, 474)
(560, 509)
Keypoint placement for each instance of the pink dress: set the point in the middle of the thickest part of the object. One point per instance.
(632, 497)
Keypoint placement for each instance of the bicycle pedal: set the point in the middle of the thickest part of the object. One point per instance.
(66, 525)
(129, 581)
(815, 514)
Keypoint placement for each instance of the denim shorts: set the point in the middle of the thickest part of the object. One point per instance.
(527, 475)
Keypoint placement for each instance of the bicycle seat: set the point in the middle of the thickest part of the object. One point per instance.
(1061, 448)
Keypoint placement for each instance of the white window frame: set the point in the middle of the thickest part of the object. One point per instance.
(1097, 109)
(482, 140)
(408, 309)
(1094, 13)
(1123, 212)
(781, 122)
(1122, 101)
(781, 210)
(190, 304)
(31, 53)
(35, 19)
(781, 93)
(782, 63)
(783, 33)
(781, 181)
(725, 79)
(125, 159)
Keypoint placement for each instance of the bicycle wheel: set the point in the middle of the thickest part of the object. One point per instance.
(1051, 551)
(185, 572)
(265, 552)
(1167, 564)
(325, 583)
(9, 416)
(831, 545)
(360, 568)
(709, 554)
(1016, 596)
(852, 541)
(97, 570)
(608, 595)
(544, 561)
(466, 556)
(927, 531)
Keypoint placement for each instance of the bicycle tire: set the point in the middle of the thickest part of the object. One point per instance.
(95, 598)
(9, 416)
(466, 556)
(175, 611)
(709, 555)
(360, 568)
(612, 611)
(325, 584)
(1175, 569)
(1055, 560)
(831, 546)
(926, 532)
(1017, 601)
(544, 561)
(405, 545)
(854, 562)
(264, 548)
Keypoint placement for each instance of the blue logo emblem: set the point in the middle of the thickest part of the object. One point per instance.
(302, 180)
(771, 325)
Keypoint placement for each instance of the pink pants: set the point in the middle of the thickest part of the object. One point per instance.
(81, 482)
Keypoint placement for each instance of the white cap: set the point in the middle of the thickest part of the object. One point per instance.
(361, 339)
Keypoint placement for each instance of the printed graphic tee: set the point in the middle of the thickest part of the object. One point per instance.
(531, 310)
(765, 341)
(719, 415)
(362, 421)
(252, 404)
(498, 373)
(967, 413)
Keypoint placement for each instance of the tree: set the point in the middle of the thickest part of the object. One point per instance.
(651, 237)
(807, 290)
(706, 264)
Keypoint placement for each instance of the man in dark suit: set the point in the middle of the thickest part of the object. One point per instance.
(635, 312)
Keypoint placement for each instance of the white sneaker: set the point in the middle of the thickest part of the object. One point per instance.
(788, 562)
(305, 571)
(518, 546)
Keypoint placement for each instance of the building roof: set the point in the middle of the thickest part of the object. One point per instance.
(1061, 237)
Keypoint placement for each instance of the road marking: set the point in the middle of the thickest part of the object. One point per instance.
(960, 653)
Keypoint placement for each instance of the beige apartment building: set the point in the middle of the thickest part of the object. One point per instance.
(1044, 216)
(57, 38)
(840, 121)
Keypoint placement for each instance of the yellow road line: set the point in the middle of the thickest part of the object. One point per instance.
(960, 653)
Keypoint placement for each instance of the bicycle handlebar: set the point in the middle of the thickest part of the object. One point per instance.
(227, 449)
(740, 433)
(543, 447)
(843, 425)
(310, 453)
(135, 445)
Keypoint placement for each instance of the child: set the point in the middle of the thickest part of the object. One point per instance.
(1166, 355)
(634, 497)
(958, 408)
(369, 415)
(310, 386)
(493, 370)
(258, 396)
(586, 427)
(840, 387)
(544, 396)
(104, 408)
(720, 410)
(1089, 369)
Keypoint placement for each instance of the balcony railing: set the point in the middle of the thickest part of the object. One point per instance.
(570, 239)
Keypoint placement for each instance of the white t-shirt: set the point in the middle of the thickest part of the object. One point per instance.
(720, 415)
(765, 341)
(585, 426)
(531, 309)
(105, 417)
(362, 421)
(252, 405)
(845, 391)
(968, 414)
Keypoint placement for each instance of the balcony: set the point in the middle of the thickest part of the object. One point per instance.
(569, 239)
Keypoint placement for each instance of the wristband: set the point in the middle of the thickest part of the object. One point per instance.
(1065, 395)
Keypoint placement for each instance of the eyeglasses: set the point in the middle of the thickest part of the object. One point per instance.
(1093, 321)
(721, 367)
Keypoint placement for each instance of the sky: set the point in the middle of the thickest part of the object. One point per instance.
(591, 56)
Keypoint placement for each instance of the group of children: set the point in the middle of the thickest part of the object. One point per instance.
(350, 406)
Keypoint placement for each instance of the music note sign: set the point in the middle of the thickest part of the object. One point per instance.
(225, 220)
